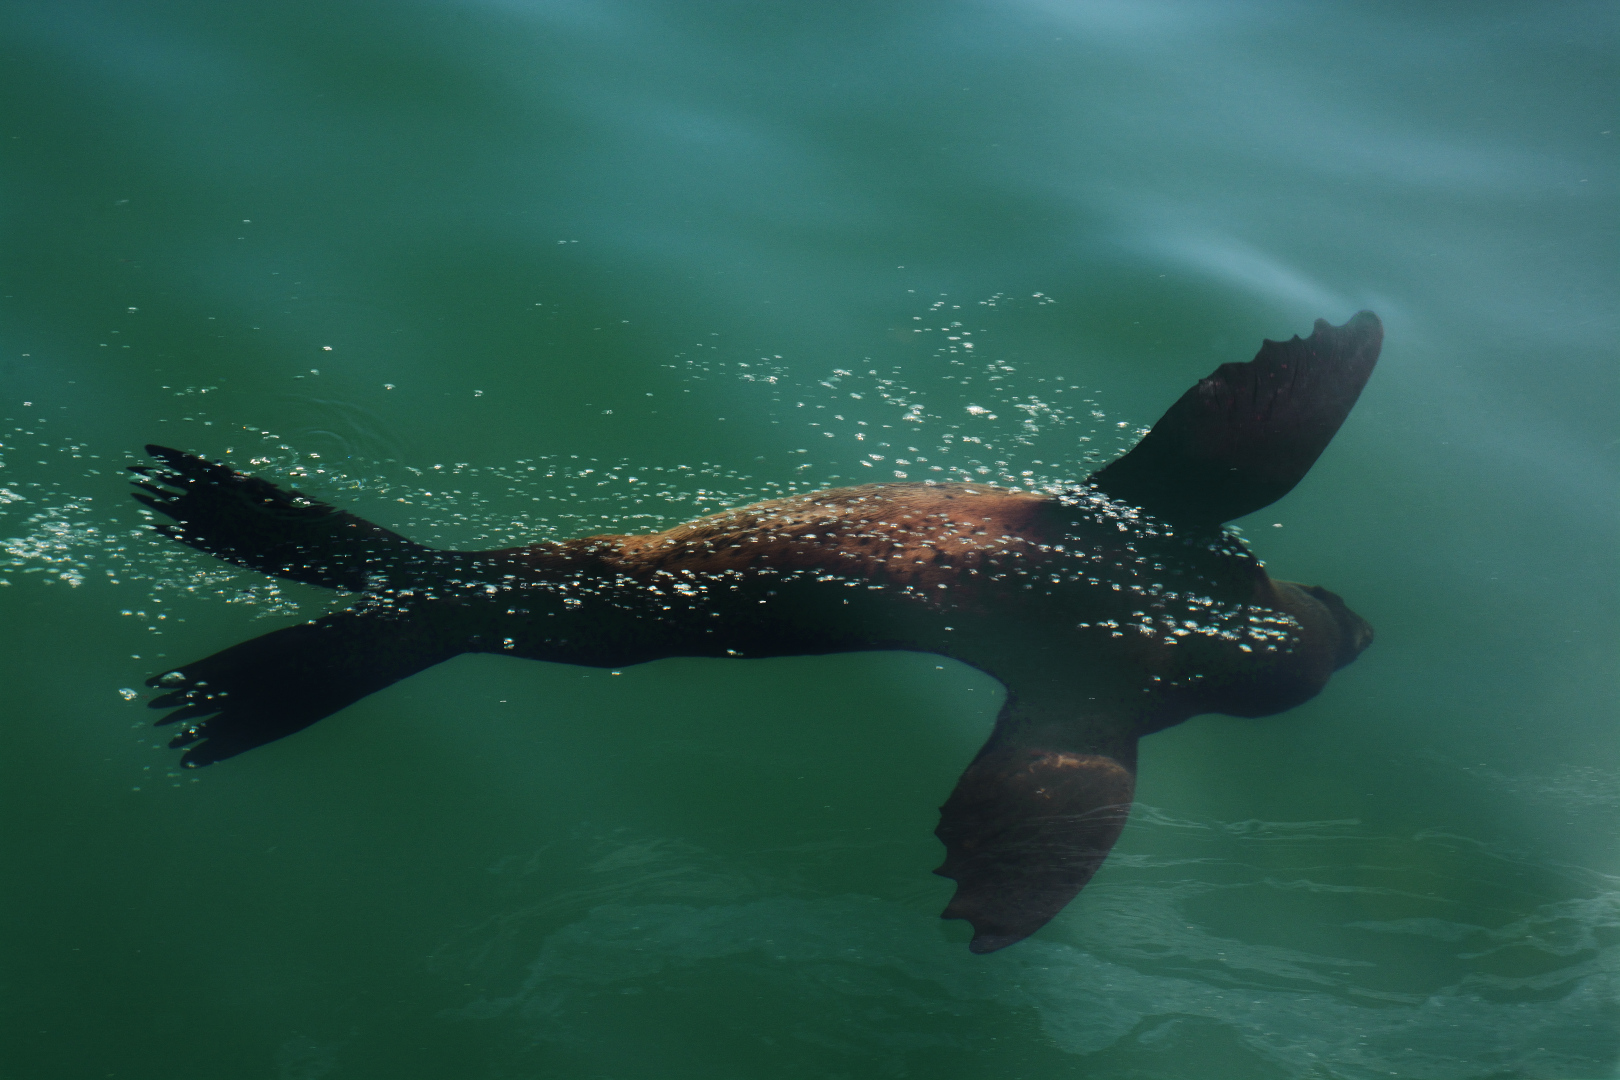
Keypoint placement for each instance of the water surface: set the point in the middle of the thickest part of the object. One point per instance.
(490, 272)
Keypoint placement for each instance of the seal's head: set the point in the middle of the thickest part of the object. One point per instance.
(1327, 636)
(1355, 633)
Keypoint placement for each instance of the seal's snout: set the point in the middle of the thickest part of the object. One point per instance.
(1355, 633)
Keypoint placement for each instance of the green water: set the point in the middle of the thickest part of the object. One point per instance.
(468, 268)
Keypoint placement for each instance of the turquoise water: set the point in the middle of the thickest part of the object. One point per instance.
(470, 268)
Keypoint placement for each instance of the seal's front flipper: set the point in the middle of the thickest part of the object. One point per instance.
(284, 681)
(1025, 829)
(253, 523)
(1242, 438)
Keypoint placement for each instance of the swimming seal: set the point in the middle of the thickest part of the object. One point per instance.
(1110, 611)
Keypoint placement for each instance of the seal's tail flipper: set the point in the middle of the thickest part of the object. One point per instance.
(284, 681)
(1242, 438)
(1024, 831)
(253, 523)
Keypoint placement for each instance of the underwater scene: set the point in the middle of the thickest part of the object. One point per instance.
(641, 508)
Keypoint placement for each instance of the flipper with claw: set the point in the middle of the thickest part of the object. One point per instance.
(253, 523)
(1242, 438)
(1029, 823)
(284, 681)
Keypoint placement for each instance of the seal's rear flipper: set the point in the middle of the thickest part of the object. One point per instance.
(1242, 438)
(1024, 831)
(284, 681)
(253, 523)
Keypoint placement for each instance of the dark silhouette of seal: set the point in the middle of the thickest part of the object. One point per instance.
(1109, 611)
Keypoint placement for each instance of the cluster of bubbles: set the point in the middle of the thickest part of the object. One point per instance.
(51, 530)
(964, 413)
(73, 526)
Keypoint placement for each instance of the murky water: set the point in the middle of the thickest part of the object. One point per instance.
(494, 272)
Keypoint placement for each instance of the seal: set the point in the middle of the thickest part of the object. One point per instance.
(1109, 611)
